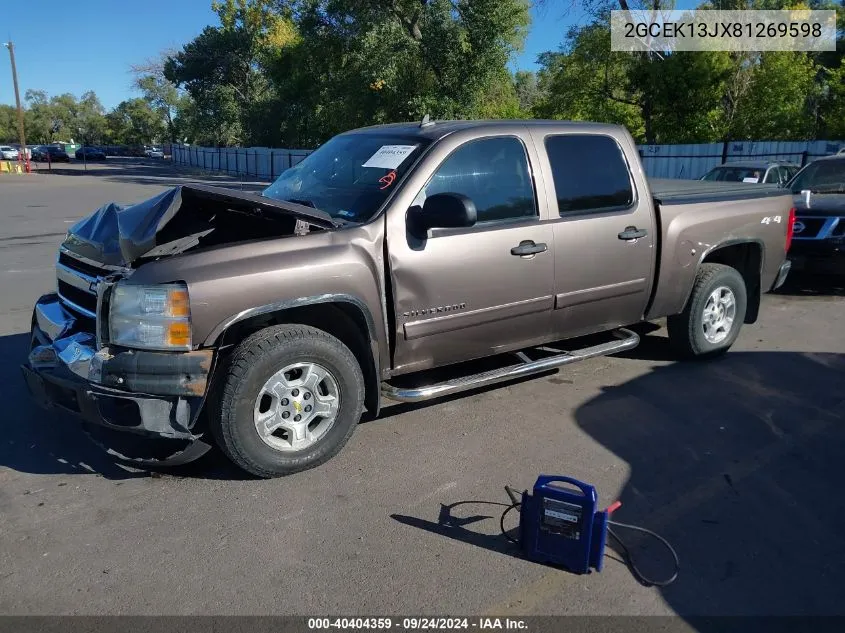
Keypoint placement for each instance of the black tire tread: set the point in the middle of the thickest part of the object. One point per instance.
(253, 348)
(681, 327)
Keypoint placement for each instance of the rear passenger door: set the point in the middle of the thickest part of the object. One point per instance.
(604, 232)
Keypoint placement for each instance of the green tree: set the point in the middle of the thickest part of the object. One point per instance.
(777, 105)
(162, 94)
(360, 62)
(223, 70)
(584, 81)
(135, 122)
(689, 97)
(38, 117)
(90, 118)
(8, 123)
(832, 104)
(527, 90)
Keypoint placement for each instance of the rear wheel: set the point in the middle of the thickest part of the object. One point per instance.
(291, 398)
(713, 316)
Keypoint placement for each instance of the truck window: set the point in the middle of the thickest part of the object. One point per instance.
(351, 175)
(493, 173)
(590, 173)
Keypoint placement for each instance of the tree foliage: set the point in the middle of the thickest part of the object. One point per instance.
(695, 97)
(135, 122)
(65, 118)
(293, 73)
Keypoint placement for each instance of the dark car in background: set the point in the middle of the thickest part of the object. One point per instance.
(753, 171)
(819, 231)
(50, 153)
(90, 153)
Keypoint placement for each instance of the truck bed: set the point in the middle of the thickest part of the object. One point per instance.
(667, 191)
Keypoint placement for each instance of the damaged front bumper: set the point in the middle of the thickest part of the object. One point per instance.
(158, 394)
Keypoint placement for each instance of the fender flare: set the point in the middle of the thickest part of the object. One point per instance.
(372, 341)
(287, 304)
(725, 243)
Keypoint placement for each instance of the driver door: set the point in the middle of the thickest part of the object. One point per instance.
(464, 293)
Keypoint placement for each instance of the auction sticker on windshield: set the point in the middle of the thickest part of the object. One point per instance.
(389, 156)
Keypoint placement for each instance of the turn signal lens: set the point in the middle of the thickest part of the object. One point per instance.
(177, 299)
(178, 334)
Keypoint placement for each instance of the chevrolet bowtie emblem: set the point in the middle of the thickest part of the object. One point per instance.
(297, 406)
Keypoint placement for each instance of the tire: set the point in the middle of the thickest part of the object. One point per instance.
(242, 394)
(691, 335)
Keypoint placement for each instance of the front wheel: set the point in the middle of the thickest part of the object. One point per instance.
(713, 316)
(291, 398)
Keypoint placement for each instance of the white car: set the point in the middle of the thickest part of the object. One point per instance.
(9, 153)
(154, 152)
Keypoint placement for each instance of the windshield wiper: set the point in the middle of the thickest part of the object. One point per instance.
(310, 203)
(303, 202)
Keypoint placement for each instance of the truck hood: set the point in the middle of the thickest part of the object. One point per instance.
(180, 218)
(821, 204)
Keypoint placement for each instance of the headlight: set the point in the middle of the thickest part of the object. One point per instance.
(151, 317)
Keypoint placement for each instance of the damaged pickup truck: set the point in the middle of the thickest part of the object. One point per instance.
(268, 322)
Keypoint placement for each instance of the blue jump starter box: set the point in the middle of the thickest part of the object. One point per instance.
(559, 524)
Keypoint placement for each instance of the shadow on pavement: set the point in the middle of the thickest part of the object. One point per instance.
(738, 463)
(452, 522)
(38, 441)
(807, 285)
(33, 440)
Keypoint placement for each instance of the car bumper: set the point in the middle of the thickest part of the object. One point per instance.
(783, 273)
(825, 257)
(155, 394)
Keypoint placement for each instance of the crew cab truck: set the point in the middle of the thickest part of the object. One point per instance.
(269, 322)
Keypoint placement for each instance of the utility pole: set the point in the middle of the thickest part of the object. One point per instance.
(11, 48)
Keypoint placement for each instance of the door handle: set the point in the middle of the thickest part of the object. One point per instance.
(528, 247)
(632, 233)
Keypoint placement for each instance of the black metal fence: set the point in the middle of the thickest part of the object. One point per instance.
(250, 162)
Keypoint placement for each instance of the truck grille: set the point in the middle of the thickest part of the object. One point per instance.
(76, 285)
(75, 298)
(76, 264)
(812, 226)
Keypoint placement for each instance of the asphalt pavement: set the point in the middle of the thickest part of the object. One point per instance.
(738, 462)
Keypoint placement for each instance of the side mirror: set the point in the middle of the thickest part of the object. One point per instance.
(443, 211)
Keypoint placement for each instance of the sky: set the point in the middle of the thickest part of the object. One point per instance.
(72, 46)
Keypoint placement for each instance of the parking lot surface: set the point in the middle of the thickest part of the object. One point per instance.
(738, 462)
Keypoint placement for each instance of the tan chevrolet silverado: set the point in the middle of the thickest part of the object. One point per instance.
(268, 322)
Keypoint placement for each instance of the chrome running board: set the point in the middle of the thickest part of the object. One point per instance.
(627, 340)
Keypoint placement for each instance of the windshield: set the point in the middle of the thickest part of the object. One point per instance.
(735, 174)
(350, 176)
(823, 176)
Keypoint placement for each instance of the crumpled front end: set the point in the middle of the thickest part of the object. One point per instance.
(156, 394)
(149, 389)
